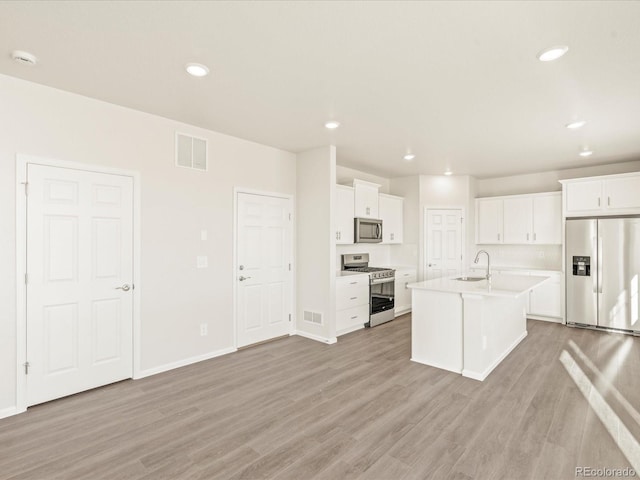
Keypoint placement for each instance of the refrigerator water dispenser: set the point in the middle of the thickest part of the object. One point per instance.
(582, 266)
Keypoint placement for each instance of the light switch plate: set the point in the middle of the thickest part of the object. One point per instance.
(203, 234)
(202, 262)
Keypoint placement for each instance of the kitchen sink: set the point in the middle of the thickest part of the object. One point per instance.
(469, 279)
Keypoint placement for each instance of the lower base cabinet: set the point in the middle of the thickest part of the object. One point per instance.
(352, 303)
(402, 294)
(545, 301)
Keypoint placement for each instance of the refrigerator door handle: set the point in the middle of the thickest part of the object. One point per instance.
(599, 265)
(594, 256)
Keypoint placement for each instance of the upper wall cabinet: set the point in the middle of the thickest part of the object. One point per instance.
(520, 219)
(391, 214)
(366, 199)
(489, 220)
(607, 195)
(344, 214)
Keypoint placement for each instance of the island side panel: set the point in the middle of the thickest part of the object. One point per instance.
(436, 329)
(493, 327)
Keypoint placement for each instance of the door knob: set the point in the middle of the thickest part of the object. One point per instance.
(242, 279)
(124, 287)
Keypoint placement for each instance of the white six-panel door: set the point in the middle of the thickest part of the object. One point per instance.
(263, 271)
(444, 243)
(79, 288)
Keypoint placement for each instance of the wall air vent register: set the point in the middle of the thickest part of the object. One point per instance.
(191, 152)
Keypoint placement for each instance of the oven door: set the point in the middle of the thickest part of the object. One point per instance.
(382, 295)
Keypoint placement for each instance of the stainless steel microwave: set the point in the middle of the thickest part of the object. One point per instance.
(367, 230)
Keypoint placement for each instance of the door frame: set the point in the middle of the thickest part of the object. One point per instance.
(22, 162)
(292, 242)
(425, 231)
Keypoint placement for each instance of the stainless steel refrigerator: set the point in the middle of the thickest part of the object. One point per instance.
(603, 273)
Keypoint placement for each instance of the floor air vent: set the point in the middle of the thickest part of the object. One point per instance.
(313, 317)
(191, 152)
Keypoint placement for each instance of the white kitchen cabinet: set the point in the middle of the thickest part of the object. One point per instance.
(520, 219)
(546, 300)
(402, 294)
(352, 302)
(344, 214)
(605, 195)
(489, 220)
(366, 199)
(391, 214)
(547, 219)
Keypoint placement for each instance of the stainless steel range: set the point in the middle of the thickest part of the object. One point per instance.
(381, 287)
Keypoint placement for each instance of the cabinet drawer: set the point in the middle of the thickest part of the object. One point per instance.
(351, 280)
(351, 319)
(352, 296)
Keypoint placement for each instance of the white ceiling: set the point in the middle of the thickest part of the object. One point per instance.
(457, 83)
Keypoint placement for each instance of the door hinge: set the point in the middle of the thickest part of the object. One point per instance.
(289, 217)
(26, 368)
(289, 267)
(289, 317)
(26, 278)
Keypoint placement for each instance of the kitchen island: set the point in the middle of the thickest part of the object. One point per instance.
(469, 327)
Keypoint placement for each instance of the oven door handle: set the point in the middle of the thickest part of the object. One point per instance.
(383, 280)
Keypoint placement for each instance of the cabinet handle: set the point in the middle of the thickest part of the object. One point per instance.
(354, 283)
(498, 237)
(368, 211)
(534, 237)
(608, 201)
(598, 201)
(354, 298)
(354, 317)
(527, 237)
(392, 236)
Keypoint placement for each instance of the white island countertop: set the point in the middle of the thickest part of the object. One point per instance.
(501, 285)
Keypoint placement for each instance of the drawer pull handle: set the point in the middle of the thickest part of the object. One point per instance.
(354, 317)
(354, 283)
(354, 298)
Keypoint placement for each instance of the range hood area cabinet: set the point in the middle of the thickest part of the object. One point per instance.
(391, 214)
(601, 196)
(366, 199)
(344, 215)
(520, 219)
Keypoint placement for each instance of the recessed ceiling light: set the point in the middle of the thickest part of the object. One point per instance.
(448, 172)
(24, 58)
(332, 125)
(409, 156)
(197, 69)
(586, 153)
(552, 53)
(575, 125)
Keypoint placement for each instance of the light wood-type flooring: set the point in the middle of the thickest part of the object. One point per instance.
(298, 409)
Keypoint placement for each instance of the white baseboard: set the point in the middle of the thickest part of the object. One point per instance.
(482, 375)
(183, 363)
(8, 412)
(545, 319)
(402, 311)
(317, 338)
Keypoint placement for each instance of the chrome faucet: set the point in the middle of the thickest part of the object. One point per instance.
(488, 276)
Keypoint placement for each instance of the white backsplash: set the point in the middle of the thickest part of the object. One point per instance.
(379, 255)
(543, 257)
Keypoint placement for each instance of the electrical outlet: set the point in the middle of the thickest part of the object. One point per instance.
(204, 329)
(202, 262)
(540, 253)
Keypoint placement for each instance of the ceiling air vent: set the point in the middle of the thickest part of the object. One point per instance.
(191, 152)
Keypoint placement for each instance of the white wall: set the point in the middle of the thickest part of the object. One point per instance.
(439, 191)
(407, 254)
(176, 204)
(547, 181)
(346, 175)
(315, 244)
